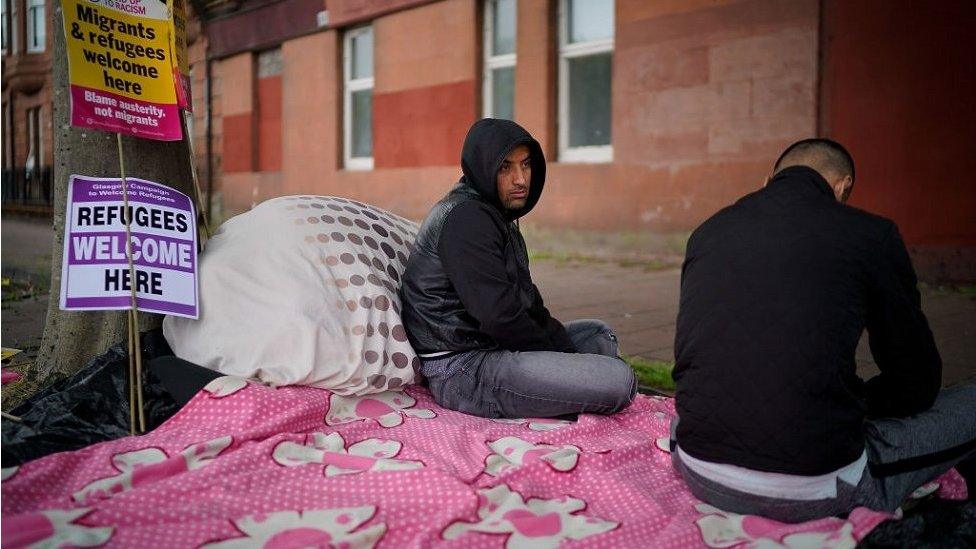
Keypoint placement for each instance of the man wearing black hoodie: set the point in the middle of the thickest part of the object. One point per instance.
(487, 343)
(776, 290)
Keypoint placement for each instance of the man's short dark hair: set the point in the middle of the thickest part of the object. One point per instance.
(818, 153)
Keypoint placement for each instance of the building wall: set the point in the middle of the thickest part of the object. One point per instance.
(312, 157)
(535, 71)
(206, 126)
(705, 95)
(424, 94)
(240, 119)
(26, 86)
(311, 154)
(260, 24)
(425, 98)
(346, 12)
(899, 91)
(268, 124)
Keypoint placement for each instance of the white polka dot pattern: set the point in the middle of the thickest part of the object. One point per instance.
(247, 464)
(303, 290)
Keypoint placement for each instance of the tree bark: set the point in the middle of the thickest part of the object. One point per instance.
(72, 338)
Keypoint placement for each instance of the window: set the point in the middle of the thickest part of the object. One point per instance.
(36, 26)
(5, 32)
(8, 138)
(10, 26)
(499, 69)
(357, 105)
(585, 63)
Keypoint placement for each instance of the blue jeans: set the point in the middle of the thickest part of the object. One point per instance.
(903, 454)
(513, 384)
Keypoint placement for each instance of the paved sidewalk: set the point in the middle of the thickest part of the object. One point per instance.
(640, 303)
(642, 306)
(26, 260)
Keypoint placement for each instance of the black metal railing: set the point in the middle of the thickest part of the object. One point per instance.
(28, 188)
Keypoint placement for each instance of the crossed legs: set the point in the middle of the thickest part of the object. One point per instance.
(503, 383)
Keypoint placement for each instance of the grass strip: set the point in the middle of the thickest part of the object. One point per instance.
(653, 374)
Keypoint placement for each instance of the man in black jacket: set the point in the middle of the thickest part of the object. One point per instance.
(775, 292)
(487, 343)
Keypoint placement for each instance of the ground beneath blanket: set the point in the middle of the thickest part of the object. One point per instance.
(246, 465)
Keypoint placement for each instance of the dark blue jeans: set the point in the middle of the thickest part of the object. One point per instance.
(514, 384)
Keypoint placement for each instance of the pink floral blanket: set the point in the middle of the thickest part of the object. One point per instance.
(245, 465)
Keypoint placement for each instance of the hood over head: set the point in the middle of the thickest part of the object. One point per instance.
(487, 144)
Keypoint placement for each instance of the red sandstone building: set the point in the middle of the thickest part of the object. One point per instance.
(653, 113)
(28, 150)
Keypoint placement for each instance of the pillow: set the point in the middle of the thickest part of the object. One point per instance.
(303, 290)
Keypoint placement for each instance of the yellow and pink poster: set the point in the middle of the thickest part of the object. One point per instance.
(120, 69)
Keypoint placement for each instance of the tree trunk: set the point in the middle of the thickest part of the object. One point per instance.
(71, 338)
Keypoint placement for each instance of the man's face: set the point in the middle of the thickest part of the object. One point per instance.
(514, 178)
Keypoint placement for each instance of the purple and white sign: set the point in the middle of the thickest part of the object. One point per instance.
(95, 270)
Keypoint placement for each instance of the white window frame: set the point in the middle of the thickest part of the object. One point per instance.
(492, 62)
(349, 86)
(30, 11)
(567, 51)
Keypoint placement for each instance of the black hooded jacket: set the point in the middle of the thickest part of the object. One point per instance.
(467, 284)
(775, 293)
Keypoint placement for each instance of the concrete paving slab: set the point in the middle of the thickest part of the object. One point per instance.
(23, 323)
(642, 306)
(25, 258)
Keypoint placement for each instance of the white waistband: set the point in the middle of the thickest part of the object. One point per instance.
(776, 485)
(434, 355)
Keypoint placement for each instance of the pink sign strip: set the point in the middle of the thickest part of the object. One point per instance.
(100, 110)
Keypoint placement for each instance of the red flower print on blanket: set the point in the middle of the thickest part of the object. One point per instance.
(53, 528)
(536, 523)
(723, 529)
(511, 452)
(387, 408)
(149, 465)
(272, 474)
(330, 449)
(310, 528)
(225, 386)
(950, 485)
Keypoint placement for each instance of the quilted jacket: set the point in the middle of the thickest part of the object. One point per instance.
(775, 293)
